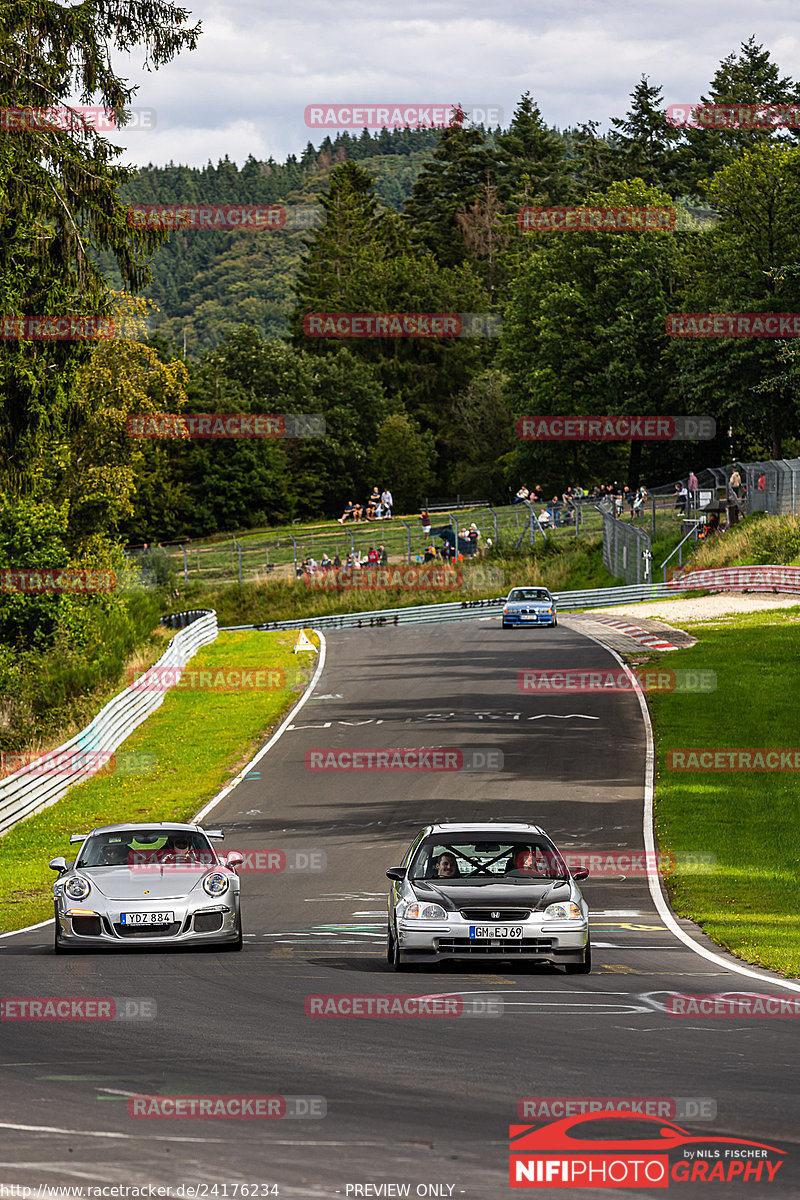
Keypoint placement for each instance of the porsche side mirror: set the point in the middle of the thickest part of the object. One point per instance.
(581, 873)
(396, 873)
(58, 864)
(234, 860)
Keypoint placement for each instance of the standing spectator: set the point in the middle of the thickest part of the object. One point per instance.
(638, 503)
(383, 557)
(537, 494)
(337, 562)
(762, 482)
(681, 499)
(372, 556)
(693, 487)
(473, 536)
(426, 523)
(736, 482)
(386, 503)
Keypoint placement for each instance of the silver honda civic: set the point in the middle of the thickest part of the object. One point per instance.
(156, 884)
(487, 891)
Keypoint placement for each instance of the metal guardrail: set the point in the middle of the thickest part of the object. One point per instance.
(465, 610)
(46, 779)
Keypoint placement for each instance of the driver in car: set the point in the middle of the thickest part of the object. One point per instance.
(445, 866)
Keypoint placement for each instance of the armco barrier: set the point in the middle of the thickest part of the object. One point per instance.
(740, 579)
(465, 610)
(734, 579)
(31, 789)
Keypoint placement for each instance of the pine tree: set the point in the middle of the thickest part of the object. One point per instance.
(531, 149)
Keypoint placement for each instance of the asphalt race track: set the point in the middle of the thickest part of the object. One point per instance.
(409, 1101)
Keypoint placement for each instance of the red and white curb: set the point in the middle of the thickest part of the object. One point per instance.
(636, 632)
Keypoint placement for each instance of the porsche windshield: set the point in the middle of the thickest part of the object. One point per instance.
(137, 847)
(506, 859)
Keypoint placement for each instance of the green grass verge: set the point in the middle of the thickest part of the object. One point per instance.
(199, 740)
(750, 903)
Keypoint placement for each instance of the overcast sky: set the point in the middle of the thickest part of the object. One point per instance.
(259, 64)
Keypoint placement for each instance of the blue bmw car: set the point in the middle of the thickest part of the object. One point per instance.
(529, 606)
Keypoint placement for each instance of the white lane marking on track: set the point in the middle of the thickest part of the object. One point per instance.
(562, 717)
(653, 878)
(127, 1137)
(279, 732)
(27, 928)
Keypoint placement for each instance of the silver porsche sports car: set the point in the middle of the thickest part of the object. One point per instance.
(163, 884)
(487, 891)
(529, 606)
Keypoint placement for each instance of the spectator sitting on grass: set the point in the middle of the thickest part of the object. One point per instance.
(521, 496)
(373, 504)
(352, 512)
(430, 553)
(325, 562)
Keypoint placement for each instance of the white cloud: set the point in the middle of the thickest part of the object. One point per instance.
(244, 90)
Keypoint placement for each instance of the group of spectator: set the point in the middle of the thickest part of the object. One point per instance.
(375, 557)
(378, 506)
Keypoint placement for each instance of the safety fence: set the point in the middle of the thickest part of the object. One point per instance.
(44, 780)
(772, 487)
(626, 549)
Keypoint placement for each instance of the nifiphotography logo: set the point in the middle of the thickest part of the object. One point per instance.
(626, 1150)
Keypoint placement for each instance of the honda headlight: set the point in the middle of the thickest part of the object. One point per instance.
(425, 912)
(216, 884)
(564, 912)
(77, 888)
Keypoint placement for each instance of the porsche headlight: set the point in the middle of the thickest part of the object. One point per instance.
(216, 883)
(77, 888)
(564, 912)
(425, 912)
